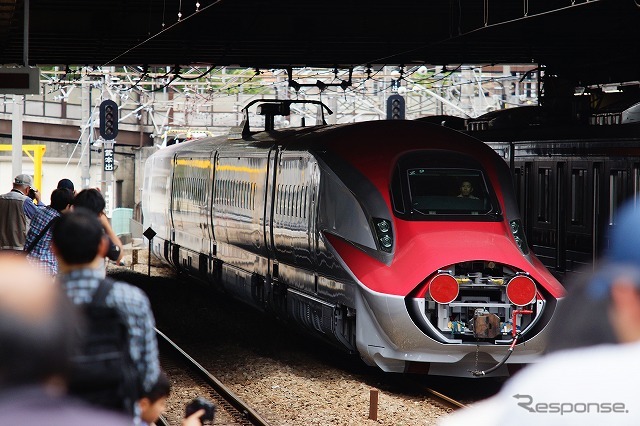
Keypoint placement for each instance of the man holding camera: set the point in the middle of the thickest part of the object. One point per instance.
(16, 210)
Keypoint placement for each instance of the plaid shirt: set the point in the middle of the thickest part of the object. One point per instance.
(41, 254)
(134, 305)
(31, 209)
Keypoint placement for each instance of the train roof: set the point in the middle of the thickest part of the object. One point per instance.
(384, 137)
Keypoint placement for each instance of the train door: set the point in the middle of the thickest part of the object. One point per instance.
(173, 256)
(214, 264)
(578, 216)
(269, 194)
(190, 201)
(291, 231)
(543, 213)
(276, 290)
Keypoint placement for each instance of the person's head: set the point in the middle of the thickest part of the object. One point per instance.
(61, 199)
(23, 183)
(154, 403)
(466, 188)
(66, 184)
(581, 320)
(37, 322)
(90, 199)
(78, 238)
(618, 277)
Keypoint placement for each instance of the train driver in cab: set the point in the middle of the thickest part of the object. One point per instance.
(466, 190)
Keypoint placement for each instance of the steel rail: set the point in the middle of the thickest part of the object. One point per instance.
(251, 415)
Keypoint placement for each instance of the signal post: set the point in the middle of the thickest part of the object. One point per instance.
(108, 132)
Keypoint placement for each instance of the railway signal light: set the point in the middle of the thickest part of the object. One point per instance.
(395, 107)
(108, 119)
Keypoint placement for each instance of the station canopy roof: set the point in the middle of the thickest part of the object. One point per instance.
(584, 41)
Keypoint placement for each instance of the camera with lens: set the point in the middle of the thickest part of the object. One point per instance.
(114, 250)
(197, 404)
(32, 193)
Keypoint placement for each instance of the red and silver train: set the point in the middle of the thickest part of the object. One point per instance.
(358, 233)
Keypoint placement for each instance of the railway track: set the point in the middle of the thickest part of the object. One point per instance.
(289, 379)
(445, 400)
(229, 407)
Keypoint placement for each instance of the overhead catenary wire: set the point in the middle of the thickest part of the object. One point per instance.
(164, 29)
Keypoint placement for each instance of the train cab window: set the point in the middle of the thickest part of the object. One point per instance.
(448, 191)
(439, 185)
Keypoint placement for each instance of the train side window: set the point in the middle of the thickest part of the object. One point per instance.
(244, 192)
(294, 200)
(305, 191)
(517, 176)
(616, 193)
(283, 210)
(243, 195)
(578, 196)
(253, 195)
(247, 195)
(235, 193)
(544, 189)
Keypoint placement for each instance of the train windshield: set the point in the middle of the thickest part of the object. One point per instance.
(448, 191)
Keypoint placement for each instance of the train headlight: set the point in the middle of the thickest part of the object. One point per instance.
(518, 235)
(384, 234)
(386, 241)
(383, 226)
(521, 290)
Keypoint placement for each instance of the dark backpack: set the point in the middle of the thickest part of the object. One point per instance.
(102, 371)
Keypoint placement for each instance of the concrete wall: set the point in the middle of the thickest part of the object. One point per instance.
(62, 160)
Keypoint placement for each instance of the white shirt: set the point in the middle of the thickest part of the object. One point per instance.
(598, 385)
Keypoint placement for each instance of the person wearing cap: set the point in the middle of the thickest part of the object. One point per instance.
(66, 184)
(16, 211)
(590, 377)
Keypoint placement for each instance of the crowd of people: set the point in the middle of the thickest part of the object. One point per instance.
(44, 318)
(26, 222)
